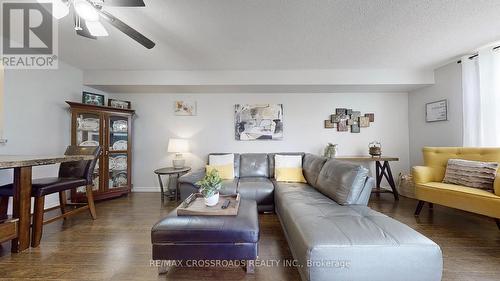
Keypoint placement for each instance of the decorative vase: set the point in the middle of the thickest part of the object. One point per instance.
(212, 200)
(331, 150)
(334, 151)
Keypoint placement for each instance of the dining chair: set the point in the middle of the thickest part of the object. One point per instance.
(71, 175)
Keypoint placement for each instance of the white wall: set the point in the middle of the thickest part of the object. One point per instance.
(37, 120)
(446, 133)
(339, 77)
(212, 130)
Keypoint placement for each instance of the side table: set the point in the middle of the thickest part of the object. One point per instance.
(171, 172)
(382, 169)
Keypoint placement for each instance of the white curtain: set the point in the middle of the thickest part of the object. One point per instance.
(481, 98)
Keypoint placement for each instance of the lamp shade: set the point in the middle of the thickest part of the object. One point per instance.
(178, 145)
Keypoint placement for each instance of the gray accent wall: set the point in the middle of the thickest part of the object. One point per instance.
(445, 133)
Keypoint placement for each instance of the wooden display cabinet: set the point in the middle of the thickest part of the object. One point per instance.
(110, 128)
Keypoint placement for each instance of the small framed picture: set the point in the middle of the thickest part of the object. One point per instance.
(334, 118)
(119, 104)
(329, 124)
(355, 128)
(340, 111)
(185, 108)
(91, 98)
(342, 126)
(436, 111)
(355, 114)
(371, 116)
(364, 121)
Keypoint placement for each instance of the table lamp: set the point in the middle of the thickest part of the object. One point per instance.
(178, 146)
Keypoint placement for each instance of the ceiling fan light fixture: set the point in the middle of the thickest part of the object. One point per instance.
(86, 11)
(96, 28)
(60, 8)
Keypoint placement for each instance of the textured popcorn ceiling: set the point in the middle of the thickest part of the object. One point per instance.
(279, 34)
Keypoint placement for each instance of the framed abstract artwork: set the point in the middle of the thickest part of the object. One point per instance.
(185, 108)
(258, 122)
(345, 118)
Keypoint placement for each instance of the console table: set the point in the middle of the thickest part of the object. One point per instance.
(18, 229)
(382, 169)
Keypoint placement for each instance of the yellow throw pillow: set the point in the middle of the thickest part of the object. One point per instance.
(288, 168)
(289, 175)
(226, 172)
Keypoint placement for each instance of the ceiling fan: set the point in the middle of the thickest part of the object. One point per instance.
(88, 13)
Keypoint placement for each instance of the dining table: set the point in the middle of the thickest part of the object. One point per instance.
(21, 211)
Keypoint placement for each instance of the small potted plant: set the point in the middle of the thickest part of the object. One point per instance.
(331, 150)
(210, 186)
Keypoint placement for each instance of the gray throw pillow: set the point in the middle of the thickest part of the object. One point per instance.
(471, 173)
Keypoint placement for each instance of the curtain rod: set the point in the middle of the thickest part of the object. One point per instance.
(475, 55)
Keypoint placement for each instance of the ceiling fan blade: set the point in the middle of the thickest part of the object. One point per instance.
(124, 3)
(123, 27)
(83, 31)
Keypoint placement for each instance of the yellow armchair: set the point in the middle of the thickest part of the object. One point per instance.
(429, 187)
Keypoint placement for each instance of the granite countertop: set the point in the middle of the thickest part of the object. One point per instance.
(13, 161)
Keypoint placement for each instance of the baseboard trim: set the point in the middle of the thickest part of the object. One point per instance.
(145, 189)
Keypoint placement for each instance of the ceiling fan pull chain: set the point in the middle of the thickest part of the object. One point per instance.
(78, 25)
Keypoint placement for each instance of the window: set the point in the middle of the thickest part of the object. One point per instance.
(481, 98)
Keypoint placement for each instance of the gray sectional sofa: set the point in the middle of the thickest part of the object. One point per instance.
(331, 232)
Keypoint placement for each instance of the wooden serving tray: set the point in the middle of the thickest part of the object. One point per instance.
(195, 206)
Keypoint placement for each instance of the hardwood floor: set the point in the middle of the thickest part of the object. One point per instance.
(117, 246)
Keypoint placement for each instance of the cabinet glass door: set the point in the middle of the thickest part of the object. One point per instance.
(118, 171)
(118, 151)
(118, 134)
(88, 128)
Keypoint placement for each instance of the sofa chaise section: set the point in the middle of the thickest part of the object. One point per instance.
(344, 240)
(335, 242)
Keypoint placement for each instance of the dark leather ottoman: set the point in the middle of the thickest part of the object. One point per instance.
(205, 238)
